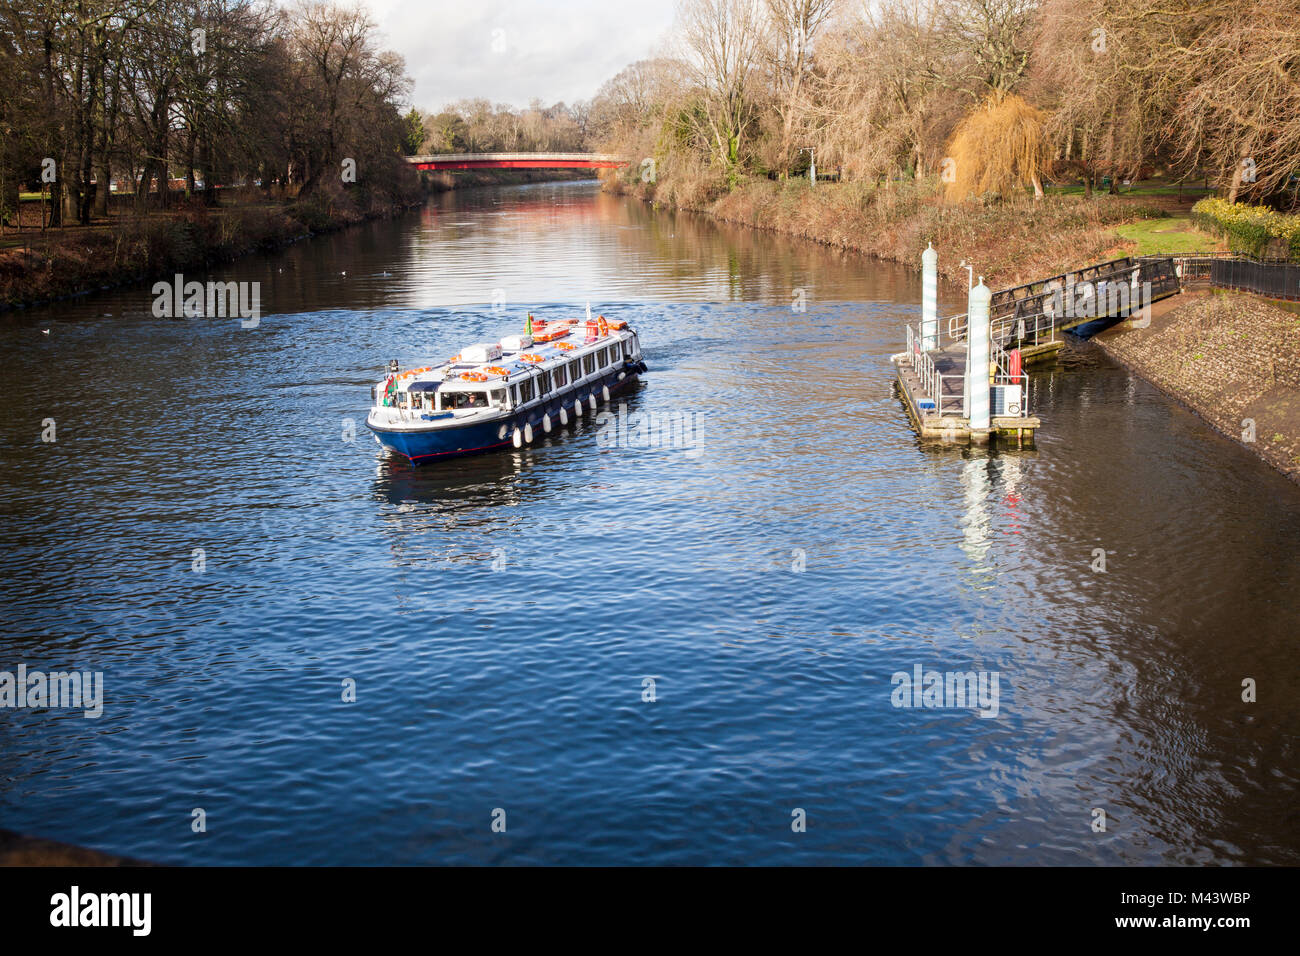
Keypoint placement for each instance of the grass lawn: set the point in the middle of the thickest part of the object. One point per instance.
(1174, 236)
(1143, 187)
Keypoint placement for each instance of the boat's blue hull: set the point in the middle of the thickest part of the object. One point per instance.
(435, 444)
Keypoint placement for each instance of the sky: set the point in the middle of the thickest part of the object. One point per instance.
(511, 51)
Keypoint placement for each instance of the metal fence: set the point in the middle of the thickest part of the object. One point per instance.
(951, 330)
(1029, 298)
(1194, 267)
(1231, 270)
(1275, 280)
(1026, 313)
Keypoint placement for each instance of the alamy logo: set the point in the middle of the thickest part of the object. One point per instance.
(675, 429)
(75, 908)
(1086, 300)
(55, 689)
(953, 689)
(212, 300)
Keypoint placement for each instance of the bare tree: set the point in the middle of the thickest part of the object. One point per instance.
(989, 44)
(721, 42)
(794, 24)
(880, 96)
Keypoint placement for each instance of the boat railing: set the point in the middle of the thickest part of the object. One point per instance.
(948, 331)
(1024, 331)
(954, 326)
(1039, 328)
(932, 379)
(1002, 376)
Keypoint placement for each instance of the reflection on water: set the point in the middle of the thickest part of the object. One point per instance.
(500, 613)
(477, 482)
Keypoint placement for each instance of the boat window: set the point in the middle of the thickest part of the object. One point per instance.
(576, 368)
(526, 390)
(559, 377)
(464, 400)
(589, 363)
(543, 383)
(514, 393)
(499, 397)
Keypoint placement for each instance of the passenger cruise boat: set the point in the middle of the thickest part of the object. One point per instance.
(504, 393)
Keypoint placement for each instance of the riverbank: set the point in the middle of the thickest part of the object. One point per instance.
(1008, 243)
(55, 264)
(1231, 357)
(38, 267)
(19, 850)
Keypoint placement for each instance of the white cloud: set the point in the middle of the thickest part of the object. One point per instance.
(511, 51)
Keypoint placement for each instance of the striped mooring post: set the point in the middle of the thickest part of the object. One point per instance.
(929, 299)
(977, 368)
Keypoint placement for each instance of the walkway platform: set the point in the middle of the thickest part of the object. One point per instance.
(940, 417)
(1025, 327)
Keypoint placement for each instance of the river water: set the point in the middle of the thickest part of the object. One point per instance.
(203, 532)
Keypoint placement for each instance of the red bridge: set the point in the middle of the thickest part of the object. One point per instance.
(517, 161)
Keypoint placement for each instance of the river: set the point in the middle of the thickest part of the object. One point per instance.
(629, 655)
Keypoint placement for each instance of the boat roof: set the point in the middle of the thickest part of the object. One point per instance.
(571, 339)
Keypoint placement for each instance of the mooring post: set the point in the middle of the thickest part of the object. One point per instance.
(929, 299)
(977, 369)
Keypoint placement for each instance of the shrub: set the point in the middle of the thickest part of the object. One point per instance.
(1248, 229)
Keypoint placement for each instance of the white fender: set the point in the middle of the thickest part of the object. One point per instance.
(577, 409)
(528, 434)
(546, 424)
(501, 432)
(592, 396)
(519, 439)
(564, 416)
(604, 393)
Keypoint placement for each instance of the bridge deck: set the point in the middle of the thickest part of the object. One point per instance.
(454, 161)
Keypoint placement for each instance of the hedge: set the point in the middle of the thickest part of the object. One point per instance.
(1248, 229)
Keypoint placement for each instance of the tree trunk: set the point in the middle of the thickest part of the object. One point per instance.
(85, 196)
(10, 200)
(56, 205)
(205, 166)
(69, 200)
(190, 184)
(102, 178)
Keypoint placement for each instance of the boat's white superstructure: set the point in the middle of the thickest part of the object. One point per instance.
(502, 393)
